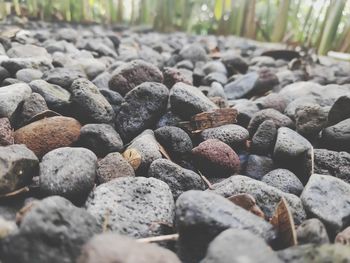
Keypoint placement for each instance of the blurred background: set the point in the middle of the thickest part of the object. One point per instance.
(322, 25)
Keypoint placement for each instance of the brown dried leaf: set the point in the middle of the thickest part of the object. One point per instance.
(163, 151)
(247, 202)
(133, 157)
(283, 221)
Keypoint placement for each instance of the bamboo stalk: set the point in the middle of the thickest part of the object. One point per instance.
(281, 21)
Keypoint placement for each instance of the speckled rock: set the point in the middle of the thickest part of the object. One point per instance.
(310, 119)
(264, 138)
(215, 158)
(6, 132)
(312, 231)
(136, 206)
(62, 77)
(174, 75)
(179, 179)
(124, 250)
(340, 110)
(233, 135)
(47, 134)
(284, 180)
(68, 172)
(337, 137)
(132, 74)
(18, 165)
(31, 106)
(113, 166)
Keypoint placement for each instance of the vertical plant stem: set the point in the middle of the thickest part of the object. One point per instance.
(281, 21)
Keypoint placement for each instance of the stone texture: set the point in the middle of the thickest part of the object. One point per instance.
(337, 137)
(264, 139)
(257, 166)
(339, 111)
(6, 132)
(312, 231)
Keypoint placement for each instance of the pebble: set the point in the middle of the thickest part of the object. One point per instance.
(68, 172)
(18, 165)
(32, 106)
(328, 199)
(257, 166)
(143, 107)
(6, 132)
(284, 180)
(264, 138)
(215, 158)
(48, 134)
(133, 206)
(343, 237)
(310, 119)
(100, 138)
(113, 166)
(62, 77)
(339, 111)
(312, 231)
(27, 74)
(193, 52)
(337, 137)
(125, 250)
(177, 178)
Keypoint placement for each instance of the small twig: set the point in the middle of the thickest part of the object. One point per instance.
(172, 237)
(206, 181)
(17, 192)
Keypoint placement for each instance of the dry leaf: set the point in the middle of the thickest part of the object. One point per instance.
(283, 221)
(24, 210)
(163, 151)
(133, 157)
(247, 202)
(17, 192)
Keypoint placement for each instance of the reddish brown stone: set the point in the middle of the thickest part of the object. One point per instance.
(6, 133)
(48, 134)
(215, 158)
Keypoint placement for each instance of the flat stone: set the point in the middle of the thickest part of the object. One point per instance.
(339, 111)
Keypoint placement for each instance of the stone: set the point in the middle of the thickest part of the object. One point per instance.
(325, 253)
(57, 98)
(332, 163)
(62, 77)
(68, 172)
(264, 138)
(215, 158)
(174, 75)
(27, 51)
(101, 81)
(168, 119)
(336, 137)
(312, 231)
(193, 52)
(28, 74)
(4, 74)
(310, 119)
(31, 106)
(48, 134)
(272, 101)
(343, 237)
(328, 199)
(267, 197)
(11, 99)
(130, 75)
(186, 101)
(257, 166)
(90, 105)
(114, 98)
(113, 166)
(175, 141)
(234, 63)
(339, 111)
(177, 178)
(6, 132)
(201, 216)
(293, 152)
(233, 135)
(133, 206)
(246, 110)
(18, 165)
(54, 231)
(143, 107)
(100, 138)
(124, 250)
(235, 246)
(7, 227)
(278, 118)
(13, 65)
(284, 180)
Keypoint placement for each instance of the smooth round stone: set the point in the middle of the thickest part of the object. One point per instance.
(337, 137)
(312, 231)
(28, 74)
(68, 172)
(62, 77)
(339, 111)
(193, 52)
(264, 138)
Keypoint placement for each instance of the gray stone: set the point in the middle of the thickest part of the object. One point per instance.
(267, 197)
(339, 111)
(201, 216)
(235, 246)
(18, 165)
(28, 74)
(168, 119)
(257, 166)
(68, 172)
(284, 180)
(337, 137)
(233, 135)
(31, 106)
(100, 138)
(179, 179)
(6, 132)
(52, 231)
(89, 103)
(124, 250)
(242, 86)
(246, 110)
(135, 206)
(113, 166)
(101, 81)
(193, 52)
(114, 98)
(310, 119)
(187, 101)
(143, 107)
(328, 199)
(312, 231)
(264, 138)
(63, 77)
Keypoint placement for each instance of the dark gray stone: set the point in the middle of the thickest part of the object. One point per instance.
(264, 138)
(339, 111)
(257, 166)
(68, 172)
(114, 98)
(312, 231)
(18, 165)
(337, 137)
(267, 197)
(31, 106)
(143, 107)
(168, 119)
(193, 52)
(328, 199)
(310, 119)
(178, 179)
(246, 110)
(101, 81)
(284, 180)
(100, 138)
(135, 206)
(52, 231)
(63, 77)
(234, 64)
(235, 246)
